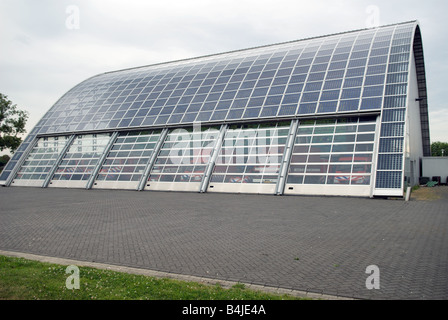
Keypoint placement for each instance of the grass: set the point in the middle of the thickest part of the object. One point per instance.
(22, 279)
(428, 193)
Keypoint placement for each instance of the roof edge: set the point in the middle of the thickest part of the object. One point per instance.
(257, 47)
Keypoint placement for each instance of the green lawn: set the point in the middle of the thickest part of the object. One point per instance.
(22, 279)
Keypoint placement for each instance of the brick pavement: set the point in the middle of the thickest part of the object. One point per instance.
(319, 245)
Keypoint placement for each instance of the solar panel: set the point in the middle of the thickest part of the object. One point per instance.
(201, 89)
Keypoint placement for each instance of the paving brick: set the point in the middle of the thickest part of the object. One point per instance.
(319, 245)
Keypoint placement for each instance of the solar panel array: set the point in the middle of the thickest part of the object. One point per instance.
(339, 73)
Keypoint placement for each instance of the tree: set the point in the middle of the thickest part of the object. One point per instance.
(12, 124)
(3, 161)
(439, 149)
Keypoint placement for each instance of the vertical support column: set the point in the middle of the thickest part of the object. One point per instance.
(281, 181)
(376, 148)
(56, 164)
(214, 156)
(20, 162)
(152, 160)
(101, 160)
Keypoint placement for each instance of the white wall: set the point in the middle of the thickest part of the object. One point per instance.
(435, 167)
(414, 144)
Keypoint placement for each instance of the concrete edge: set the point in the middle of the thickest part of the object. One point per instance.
(159, 274)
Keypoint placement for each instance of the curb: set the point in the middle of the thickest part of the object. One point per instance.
(159, 274)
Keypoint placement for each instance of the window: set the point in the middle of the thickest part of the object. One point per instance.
(251, 154)
(41, 158)
(135, 149)
(83, 154)
(325, 152)
(184, 155)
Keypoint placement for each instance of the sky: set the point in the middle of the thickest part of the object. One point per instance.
(49, 46)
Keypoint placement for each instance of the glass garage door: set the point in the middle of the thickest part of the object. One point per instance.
(127, 160)
(333, 157)
(80, 160)
(249, 159)
(183, 159)
(40, 161)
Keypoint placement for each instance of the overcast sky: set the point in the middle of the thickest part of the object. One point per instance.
(49, 46)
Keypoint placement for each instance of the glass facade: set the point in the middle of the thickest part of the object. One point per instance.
(41, 158)
(184, 155)
(333, 152)
(337, 73)
(390, 158)
(251, 154)
(82, 157)
(129, 156)
(348, 91)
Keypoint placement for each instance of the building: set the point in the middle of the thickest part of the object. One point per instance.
(434, 168)
(343, 114)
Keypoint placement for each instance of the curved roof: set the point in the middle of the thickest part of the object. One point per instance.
(332, 74)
